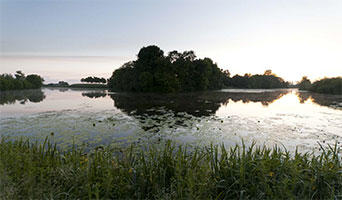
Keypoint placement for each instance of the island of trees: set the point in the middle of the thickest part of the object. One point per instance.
(176, 72)
(182, 72)
(20, 81)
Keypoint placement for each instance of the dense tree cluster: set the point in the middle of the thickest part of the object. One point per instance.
(176, 72)
(304, 84)
(20, 81)
(326, 85)
(267, 80)
(93, 79)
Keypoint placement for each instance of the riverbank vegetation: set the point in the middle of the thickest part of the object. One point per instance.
(34, 171)
(19, 81)
(326, 85)
(268, 80)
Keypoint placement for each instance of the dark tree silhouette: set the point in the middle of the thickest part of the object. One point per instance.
(325, 85)
(177, 72)
(266, 81)
(93, 79)
(35, 80)
(304, 84)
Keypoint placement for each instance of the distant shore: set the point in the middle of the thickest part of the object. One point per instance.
(79, 85)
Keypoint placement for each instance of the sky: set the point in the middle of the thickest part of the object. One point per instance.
(71, 39)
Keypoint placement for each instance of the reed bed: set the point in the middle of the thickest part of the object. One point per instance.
(40, 171)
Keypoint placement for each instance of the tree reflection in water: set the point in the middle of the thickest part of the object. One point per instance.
(22, 96)
(197, 103)
(94, 95)
(332, 101)
(184, 107)
(154, 110)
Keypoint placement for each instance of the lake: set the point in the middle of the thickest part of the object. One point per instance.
(285, 117)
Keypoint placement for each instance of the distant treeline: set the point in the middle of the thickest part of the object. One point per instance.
(326, 85)
(180, 72)
(93, 79)
(20, 81)
(267, 80)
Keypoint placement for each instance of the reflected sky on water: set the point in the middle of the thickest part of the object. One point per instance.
(281, 116)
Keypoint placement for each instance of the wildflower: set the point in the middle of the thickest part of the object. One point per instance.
(271, 174)
(130, 171)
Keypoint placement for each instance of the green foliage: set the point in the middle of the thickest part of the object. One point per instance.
(8, 82)
(35, 80)
(177, 72)
(326, 85)
(33, 171)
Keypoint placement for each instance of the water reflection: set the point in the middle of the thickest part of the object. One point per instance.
(22, 96)
(152, 109)
(332, 101)
(94, 94)
(264, 97)
(196, 104)
(290, 116)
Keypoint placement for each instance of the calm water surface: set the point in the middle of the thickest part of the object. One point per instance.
(285, 117)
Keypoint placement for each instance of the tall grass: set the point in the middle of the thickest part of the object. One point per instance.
(34, 171)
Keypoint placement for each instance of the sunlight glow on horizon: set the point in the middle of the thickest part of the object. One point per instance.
(93, 38)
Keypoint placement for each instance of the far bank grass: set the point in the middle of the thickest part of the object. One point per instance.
(83, 85)
(33, 171)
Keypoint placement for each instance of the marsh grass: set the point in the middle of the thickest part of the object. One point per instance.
(40, 171)
(88, 85)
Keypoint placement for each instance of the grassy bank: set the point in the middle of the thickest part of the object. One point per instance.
(29, 171)
(85, 85)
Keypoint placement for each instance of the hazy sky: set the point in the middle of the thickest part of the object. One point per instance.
(71, 39)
